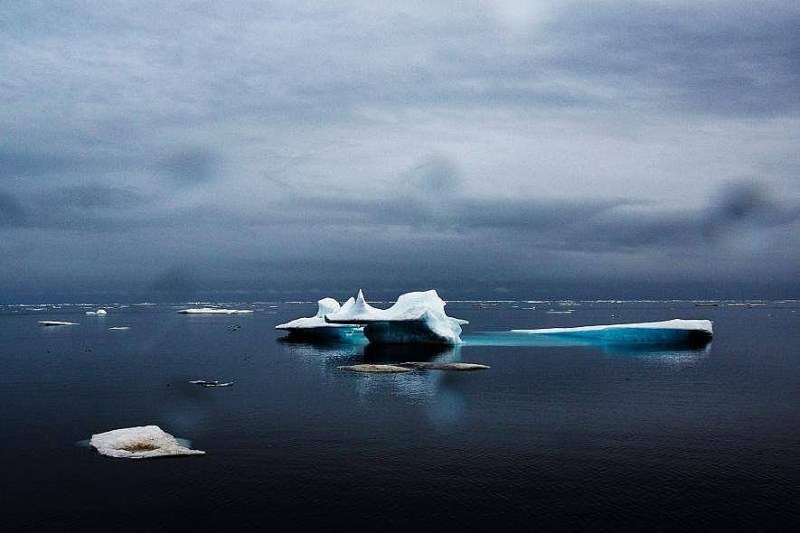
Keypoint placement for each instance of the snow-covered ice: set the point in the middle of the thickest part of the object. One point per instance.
(317, 328)
(376, 369)
(99, 312)
(416, 317)
(141, 442)
(665, 332)
(56, 323)
(213, 311)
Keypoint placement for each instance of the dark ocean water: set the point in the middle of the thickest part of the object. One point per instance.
(551, 437)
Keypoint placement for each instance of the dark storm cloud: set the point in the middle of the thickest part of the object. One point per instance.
(191, 166)
(89, 197)
(11, 211)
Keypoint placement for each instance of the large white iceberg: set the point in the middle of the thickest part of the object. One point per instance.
(141, 442)
(416, 317)
(675, 331)
(316, 328)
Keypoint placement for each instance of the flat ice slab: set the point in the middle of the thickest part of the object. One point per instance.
(462, 367)
(376, 369)
(56, 323)
(668, 331)
(416, 317)
(141, 442)
(213, 311)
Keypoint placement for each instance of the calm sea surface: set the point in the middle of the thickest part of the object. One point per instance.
(551, 437)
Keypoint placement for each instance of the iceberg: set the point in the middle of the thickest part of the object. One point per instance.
(315, 328)
(677, 331)
(213, 311)
(99, 312)
(141, 442)
(416, 317)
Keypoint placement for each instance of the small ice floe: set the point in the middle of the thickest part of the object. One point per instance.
(376, 369)
(560, 312)
(141, 442)
(210, 383)
(99, 312)
(119, 328)
(213, 311)
(445, 366)
(56, 323)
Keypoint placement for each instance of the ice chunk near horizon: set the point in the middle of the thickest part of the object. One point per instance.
(99, 312)
(56, 323)
(676, 331)
(213, 311)
(141, 442)
(316, 328)
(416, 317)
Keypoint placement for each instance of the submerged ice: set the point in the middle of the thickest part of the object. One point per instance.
(676, 331)
(416, 317)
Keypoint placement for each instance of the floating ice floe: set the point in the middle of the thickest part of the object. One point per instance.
(376, 369)
(445, 366)
(119, 328)
(317, 328)
(99, 312)
(675, 331)
(56, 323)
(210, 383)
(141, 442)
(416, 317)
(213, 311)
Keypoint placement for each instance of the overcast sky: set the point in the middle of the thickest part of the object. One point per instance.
(177, 148)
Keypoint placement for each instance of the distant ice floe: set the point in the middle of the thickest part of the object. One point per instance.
(119, 328)
(675, 331)
(316, 328)
(210, 383)
(434, 365)
(416, 317)
(376, 369)
(99, 312)
(213, 311)
(56, 323)
(141, 442)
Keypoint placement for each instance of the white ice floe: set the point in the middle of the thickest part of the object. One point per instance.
(376, 369)
(210, 383)
(56, 323)
(99, 312)
(213, 311)
(119, 328)
(416, 317)
(141, 442)
(645, 332)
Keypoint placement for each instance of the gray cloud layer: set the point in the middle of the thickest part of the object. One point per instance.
(274, 144)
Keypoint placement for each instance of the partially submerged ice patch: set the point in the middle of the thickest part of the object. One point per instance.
(141, 442)
(445, 366)
(376, 369)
